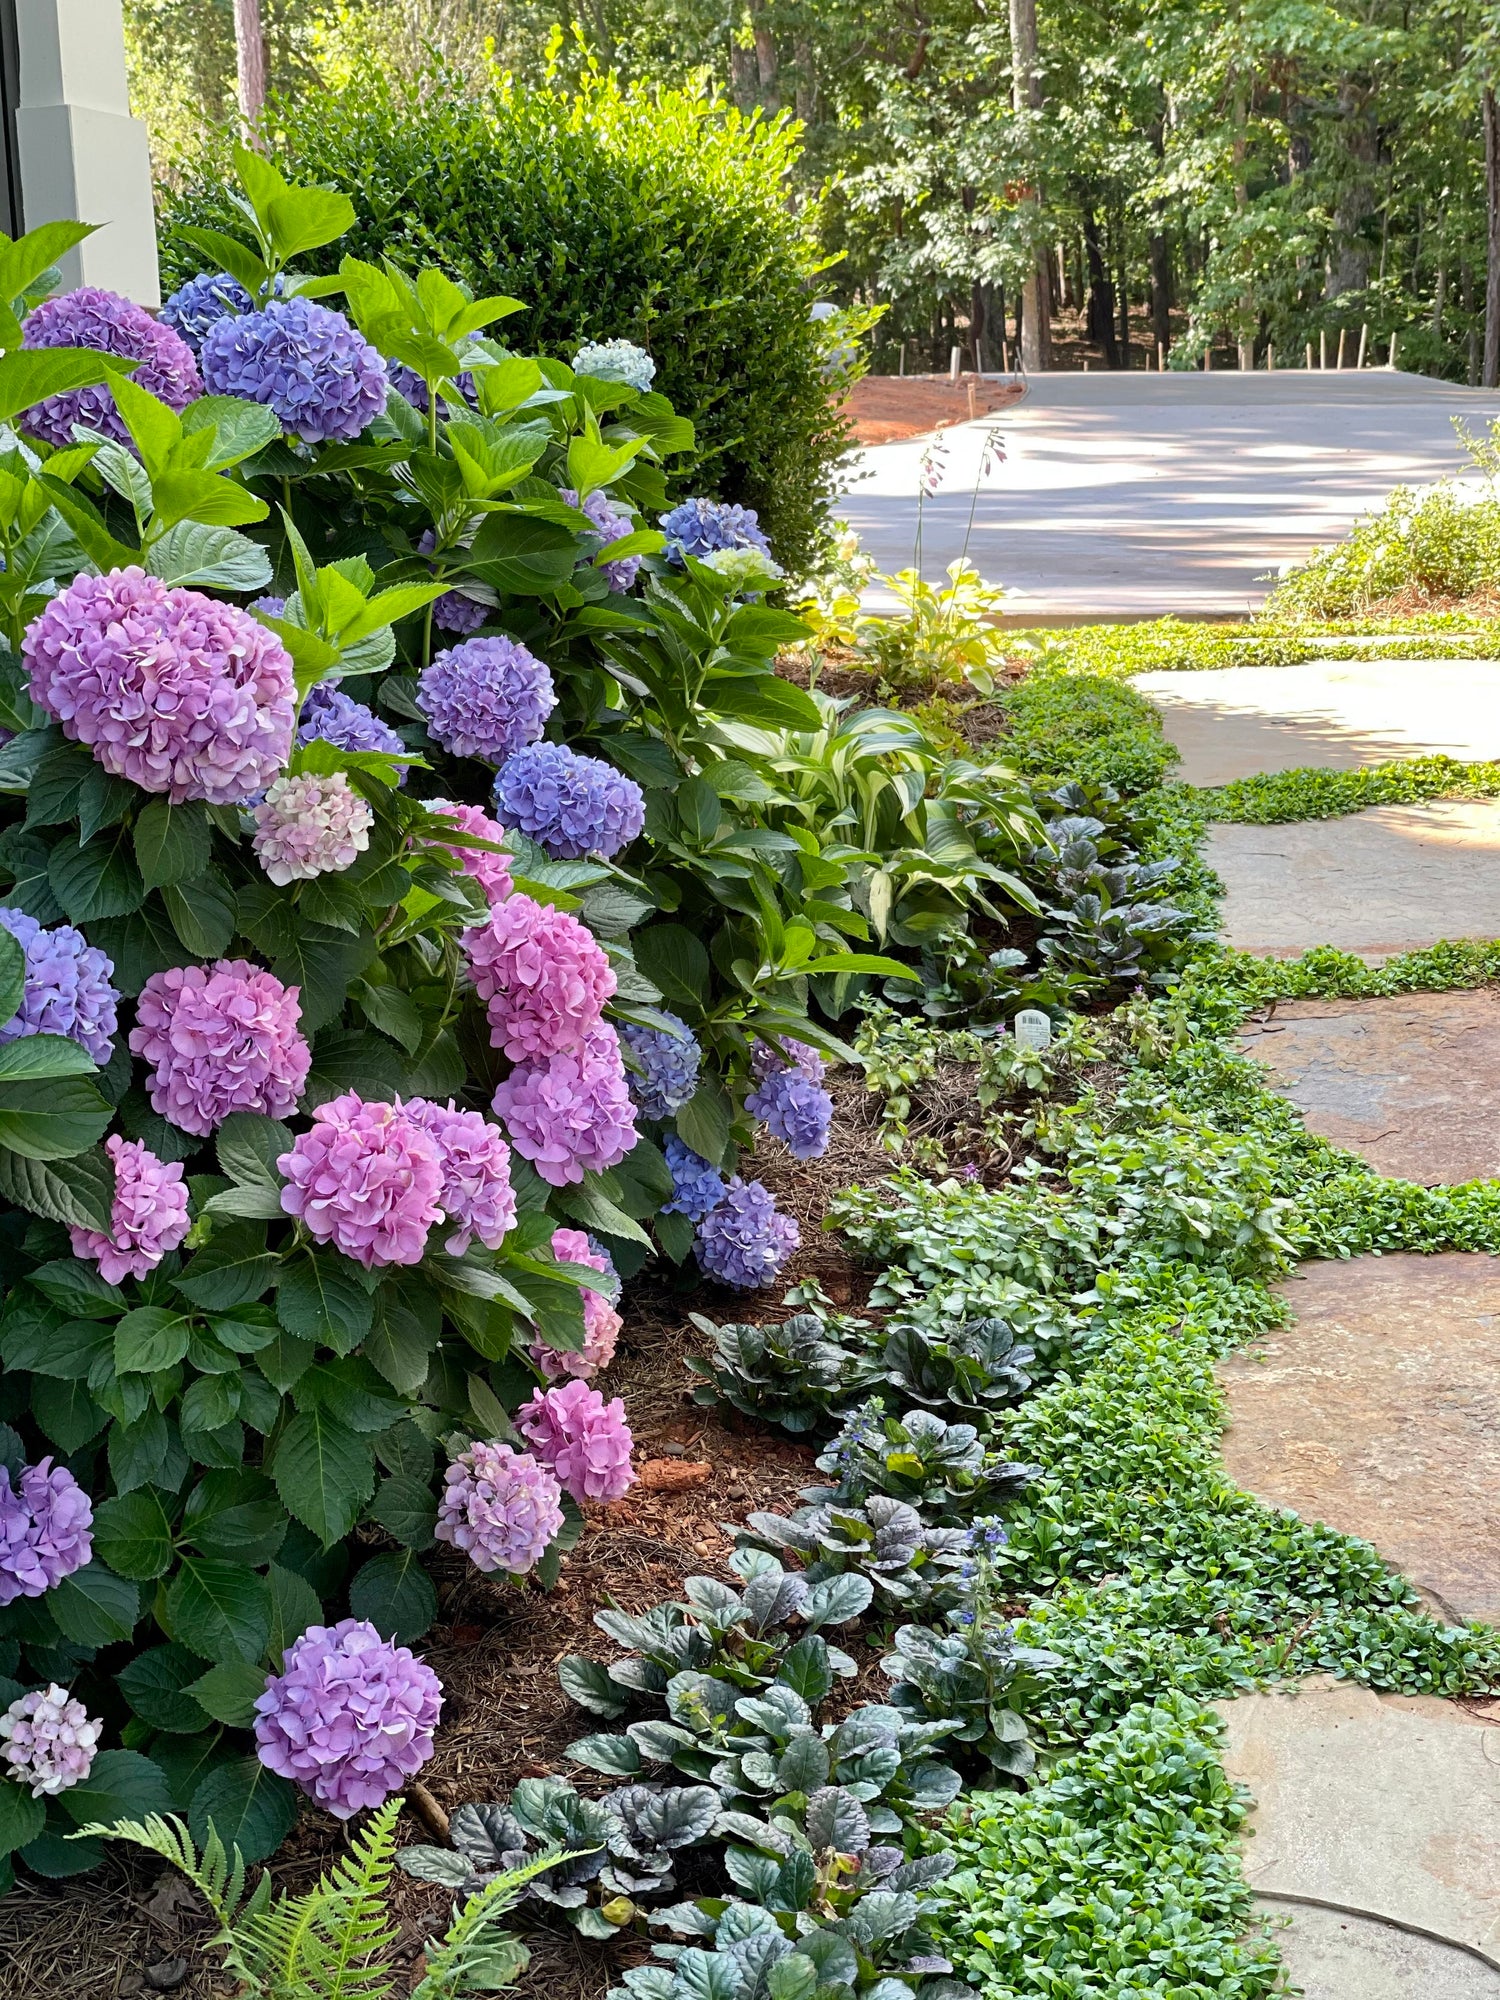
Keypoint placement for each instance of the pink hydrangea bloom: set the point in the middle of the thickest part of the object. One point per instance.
(573, 1113)
(149, 1216)
(45, 1524)
(47, 1742)
(476, 1194)
(541, 975)
(601, 1323)
(220, 1038)
(349, 1717)
(311, 825)
(367, 1179)
(501, 1507)
(175, 691)
(490, 871)
(585, 1440)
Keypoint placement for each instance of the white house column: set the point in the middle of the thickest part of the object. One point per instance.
(82, 156)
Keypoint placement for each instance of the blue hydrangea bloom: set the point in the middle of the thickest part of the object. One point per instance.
(611, 523)
(698, 527)
(797, 1110)
(669, 1067)
(203, 301)
(697, 1186)
(744, 1240)
(486, 698)
(570, 805)
(453, 612)
(308, 364)
(331, 716)
(408, 383)
(616, 361)
(68, 989)
(272, 605)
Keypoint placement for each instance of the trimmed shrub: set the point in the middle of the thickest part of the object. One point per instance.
(658, 217)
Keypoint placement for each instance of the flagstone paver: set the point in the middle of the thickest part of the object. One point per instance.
(1411, 1083)
(1335, 1955)
(1378, 1412)
(1377, 882)
(1386, 1806)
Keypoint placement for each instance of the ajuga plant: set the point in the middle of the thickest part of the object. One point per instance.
(945, 1470)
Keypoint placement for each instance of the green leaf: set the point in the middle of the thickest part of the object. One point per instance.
(220, 1610)
(66, 1412)
(408, 1325)
(324, 1473)
(764, 699)
(205, 497)
(94, 1607)
(705, 1122)
(393, 1012)
(589, 1204)
(150, 1338)
(121, 1784)
(294, 1606)
(615, 1756)
(248, 1807)
(227, 253)
(395, 1593)
(154, 1682)
(232, 1269)
(79, 1288)
(675, 960)
(305, 218)
(248, 1145)
(321, 1297)
(100, 880)
(21, 1818)
(52, 1119)
(405, 1508)
(29, 375)
(82, 1196)
(172, 843)
(36, 1056)
(146, 1451)
(12, 975)
(233, 1513)
(204, 917)
(230, 1691)
(210, 558)
(133, 1533)
(523, 556)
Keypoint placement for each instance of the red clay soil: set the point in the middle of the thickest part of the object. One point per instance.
(886, 408)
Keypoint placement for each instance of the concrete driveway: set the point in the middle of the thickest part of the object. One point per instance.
(1135, 495)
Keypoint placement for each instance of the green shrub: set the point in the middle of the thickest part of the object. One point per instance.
(1437, 542)
(1086, 727)
(659, 218)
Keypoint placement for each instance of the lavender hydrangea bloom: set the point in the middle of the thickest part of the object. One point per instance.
(349, 1717)
(311, 824)
(501, 1507)
(177, 692)
(571, 805)
(68, 990)
(541, 975)
(698, 527)
(149, 1215)
(744, 1240)
(331, 716)
(585, 1440)
(572, 1114)
(272, 605)
(203, 301)
(486, 698)
(108, 324)
(408, 383)
(697, 1185)
(476, 1194)
(616, 361)
(303, 361)
(220, 1038)
(601, 1323)
(611, 524)
(766, 1060)
(44, 1530)
(454, 612)
(47, 1742)
(669, 1067)
(797, 1110)
(366, 1178)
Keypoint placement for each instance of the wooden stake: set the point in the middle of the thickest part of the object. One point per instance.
(1364, 341)
(1343, 335)
(1161, 357)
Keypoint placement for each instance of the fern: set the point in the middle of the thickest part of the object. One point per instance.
(470, 1957)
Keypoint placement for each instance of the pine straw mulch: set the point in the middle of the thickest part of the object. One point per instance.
(131, 1929)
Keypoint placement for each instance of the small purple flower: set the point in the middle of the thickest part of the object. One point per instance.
(571, 805)
(795, 1110)
(766, 1060)
(331, 716)
(310, 824)
(573, 1113)
(486, 698)
(148, 1218)
(697, 527)
(108, 324)
(476, 1193)
(669, 1062)
(697, 1185)
(540, 973)
(68, 990)
(611, 525)
(47, 1742)
(303, 361)
(44, 1530)
(585, 1441)
(501, 1507)
(349, 1717)
(745, 1240)
(366, 1178)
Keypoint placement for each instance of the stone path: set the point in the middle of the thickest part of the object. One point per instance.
(1134, 495)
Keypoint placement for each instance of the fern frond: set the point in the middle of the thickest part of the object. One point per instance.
(219, 1882)
(325, 1945)
(458, 1957)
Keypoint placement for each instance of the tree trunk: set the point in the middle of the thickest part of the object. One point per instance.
(1349, 266)
(1490, 377)
(1122, 293)
(1026, 96)
(250, 62)
(742, 78)
(1244, 341)
(767, 63)
(807, 81)
(1100, 325)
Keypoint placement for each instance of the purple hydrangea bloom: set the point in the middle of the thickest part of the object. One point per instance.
(669, 1067)
(476, 1193)
(611, 523)
(309, 824)
(601, 1323)
(177, 692)
(366, 1178)
(490, 871)
(331, 716)
(698, 527)
(109, 324)
(408, 383)
(349, 1717)
(220, 1038)
(766, 1060)
(744, 1240)
(44, 1530)
(203, 301)
(697, 1185)
(148, 1218)
(795, 1109)
(585, 1440)
(47, 1742)
(453, 612)
(303, 361)
(573, 1113)
(501, 1507)
(570, 805)
(540, 973)
(68, 990)
(486, 698)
